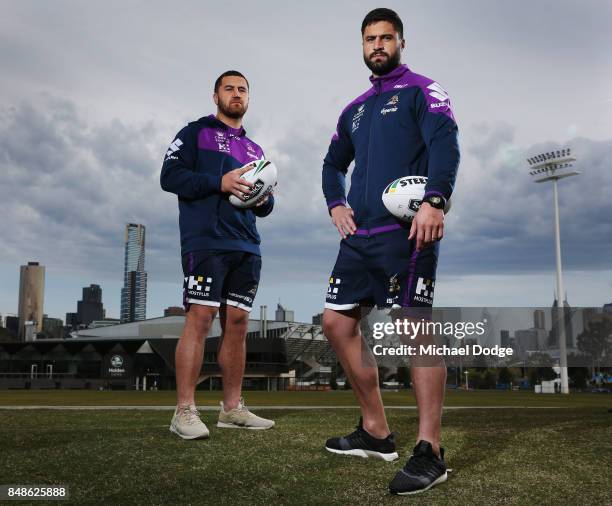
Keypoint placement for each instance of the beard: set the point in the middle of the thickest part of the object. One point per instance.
(380, 68)
(233, 110)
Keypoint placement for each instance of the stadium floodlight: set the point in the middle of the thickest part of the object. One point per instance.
(552, 166)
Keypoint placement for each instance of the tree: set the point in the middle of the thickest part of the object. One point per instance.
(579, 376)
(488, 378)
(594, 341)
(539, 359)
(403, 376)
(505, 376)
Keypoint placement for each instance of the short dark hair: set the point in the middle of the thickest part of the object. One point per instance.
(383, 14)
(227, 74)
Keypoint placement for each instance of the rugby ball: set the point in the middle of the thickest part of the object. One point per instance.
(403, 197)
(263, 175)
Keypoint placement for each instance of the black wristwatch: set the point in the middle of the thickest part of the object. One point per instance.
(435, 201)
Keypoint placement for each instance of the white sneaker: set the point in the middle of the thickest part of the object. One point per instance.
(186, 423)
(241, 418)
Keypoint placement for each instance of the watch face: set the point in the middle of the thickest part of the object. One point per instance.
(435, 200)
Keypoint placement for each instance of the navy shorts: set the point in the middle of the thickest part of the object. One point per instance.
(215, 277)
(383, 270)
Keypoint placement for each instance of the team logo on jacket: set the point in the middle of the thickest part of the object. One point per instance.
(222, 142)
(439, 94)
(251, 151)
(357, 118)
(394, 100)
(392, 105)
(173, 148)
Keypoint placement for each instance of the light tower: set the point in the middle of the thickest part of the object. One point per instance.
(552, 166)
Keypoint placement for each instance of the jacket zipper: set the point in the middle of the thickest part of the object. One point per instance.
(378, 88)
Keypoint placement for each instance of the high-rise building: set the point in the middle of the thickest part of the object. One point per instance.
(90, 308)
(539, 320)
(526, 340)
(31, 297)
(11, 323)
(553, 339)
(504, 340)
(4, 317)
(134, 291)
(284, 315)
(72, 320)
(53, 327)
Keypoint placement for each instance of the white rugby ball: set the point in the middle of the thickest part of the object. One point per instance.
(403, 197)
(263, 175)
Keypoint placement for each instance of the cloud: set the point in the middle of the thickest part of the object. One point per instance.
(70, 184)
(503, 222)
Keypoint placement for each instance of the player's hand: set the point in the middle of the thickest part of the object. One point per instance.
(342, 217)
(427, 226)
(234, 183)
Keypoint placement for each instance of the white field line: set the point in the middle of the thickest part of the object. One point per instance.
(253, 408)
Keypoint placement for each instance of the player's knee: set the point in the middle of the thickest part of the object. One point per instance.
(199, 319)
(238, 320)
(332, 325)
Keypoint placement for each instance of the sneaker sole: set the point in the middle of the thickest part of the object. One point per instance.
(441, 479)
(387, 457)
(224, 425)
(205, 435)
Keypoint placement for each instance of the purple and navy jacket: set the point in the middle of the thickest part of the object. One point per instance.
(402, 126)
(196, 160)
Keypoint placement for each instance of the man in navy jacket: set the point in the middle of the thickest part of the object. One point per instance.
(402, 126)
(220, 251)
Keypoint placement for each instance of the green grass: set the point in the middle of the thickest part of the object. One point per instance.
(259, 398)
(514, 456)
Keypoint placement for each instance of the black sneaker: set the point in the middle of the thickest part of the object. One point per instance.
(362, 444)
(422, 471)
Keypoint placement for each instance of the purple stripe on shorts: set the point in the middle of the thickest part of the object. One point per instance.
(378, 230)
(411, 269)
(190, 267)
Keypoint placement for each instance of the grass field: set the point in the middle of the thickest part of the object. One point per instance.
(499, 456)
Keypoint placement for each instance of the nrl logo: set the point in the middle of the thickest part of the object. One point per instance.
(394, 100)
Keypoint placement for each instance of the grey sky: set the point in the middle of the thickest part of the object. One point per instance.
(92, 93)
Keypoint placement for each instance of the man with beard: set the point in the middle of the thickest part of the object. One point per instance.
(220, 252)
(402, 126)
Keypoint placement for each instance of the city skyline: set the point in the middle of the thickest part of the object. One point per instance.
(134, 254)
